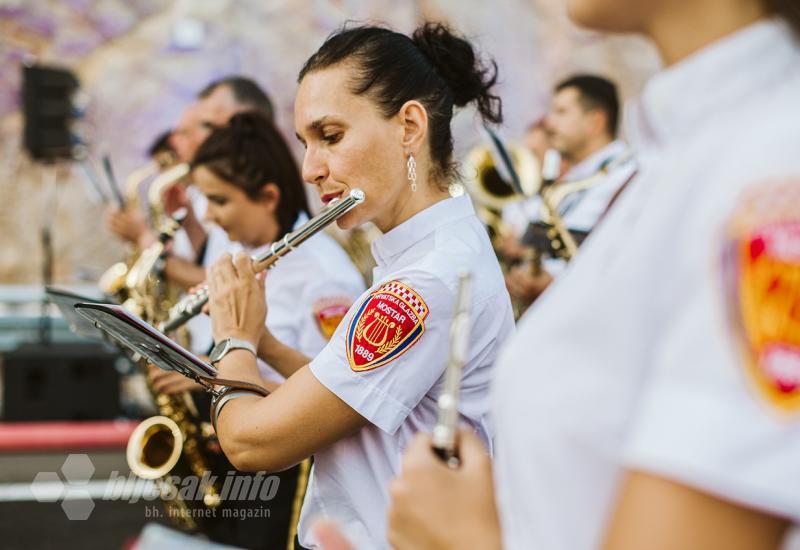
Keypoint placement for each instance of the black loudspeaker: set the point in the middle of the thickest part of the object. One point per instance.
(47, 103)
(61, 381)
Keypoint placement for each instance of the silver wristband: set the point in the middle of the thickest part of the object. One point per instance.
(222, 401)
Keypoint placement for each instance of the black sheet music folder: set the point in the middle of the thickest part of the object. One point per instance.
(65, 302)
(136, 335)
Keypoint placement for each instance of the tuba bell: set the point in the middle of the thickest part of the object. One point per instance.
(497, 174)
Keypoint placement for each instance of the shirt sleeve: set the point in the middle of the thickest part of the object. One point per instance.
(389, 352)
(719, 409)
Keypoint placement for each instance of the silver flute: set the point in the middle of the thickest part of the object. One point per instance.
(193, 304)
(444, 434)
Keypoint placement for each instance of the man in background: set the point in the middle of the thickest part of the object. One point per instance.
(582, 126)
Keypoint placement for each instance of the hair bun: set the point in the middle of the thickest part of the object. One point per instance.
(456, 62)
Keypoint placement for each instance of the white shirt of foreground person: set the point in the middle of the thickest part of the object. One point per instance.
(387, 358)
(639, 359)
(309, 291)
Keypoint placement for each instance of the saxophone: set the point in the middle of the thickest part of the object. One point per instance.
(175, 443)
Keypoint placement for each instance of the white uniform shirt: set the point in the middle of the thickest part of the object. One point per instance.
(308, 292)
(387, 359)
(580, 210)
(636, 363)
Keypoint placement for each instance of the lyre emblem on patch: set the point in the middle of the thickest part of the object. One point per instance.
(389, 321)
(762, 273)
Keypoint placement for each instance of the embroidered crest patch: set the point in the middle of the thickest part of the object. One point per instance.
(762, 271)
(329, 312)
(385, 326)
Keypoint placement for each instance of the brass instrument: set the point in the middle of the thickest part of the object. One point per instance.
(193, 304)
(446, 429)
(175, 441)
(562, 242)
(112, 282)
(171, 176)
(502, 174)
(496, 175)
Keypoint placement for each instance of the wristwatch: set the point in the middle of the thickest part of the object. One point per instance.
(226, 346)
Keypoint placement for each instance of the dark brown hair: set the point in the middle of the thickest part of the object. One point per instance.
(245, 91)
(788, 9)
(433, 66)
(596, 93)
(249, 153)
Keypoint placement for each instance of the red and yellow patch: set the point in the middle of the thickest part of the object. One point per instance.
(762, 267)
(329, 312)
(386, 325)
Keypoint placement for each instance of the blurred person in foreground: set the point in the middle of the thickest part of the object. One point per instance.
(661, 409)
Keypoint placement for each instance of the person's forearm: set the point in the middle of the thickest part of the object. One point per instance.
(279, 356)
(183, 273)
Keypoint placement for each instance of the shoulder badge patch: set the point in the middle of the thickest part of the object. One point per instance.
(762, 272)
(329, 312)
(388, 322)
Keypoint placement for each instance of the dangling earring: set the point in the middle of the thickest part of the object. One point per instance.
(411, 165)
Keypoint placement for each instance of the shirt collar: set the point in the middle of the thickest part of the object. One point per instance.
(391, 244)
(710, 81)
(596, 161)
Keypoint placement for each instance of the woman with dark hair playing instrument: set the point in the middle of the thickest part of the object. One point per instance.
(255, 194)
(661, 408)
(373, 111)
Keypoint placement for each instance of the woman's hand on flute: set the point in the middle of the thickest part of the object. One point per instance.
(236, 302)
